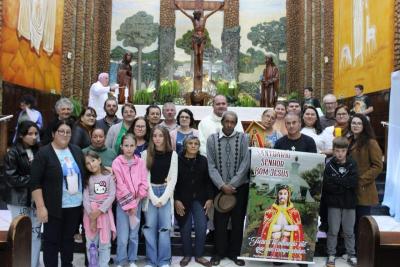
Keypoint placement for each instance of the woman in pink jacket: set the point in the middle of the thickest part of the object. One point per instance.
(132, 187)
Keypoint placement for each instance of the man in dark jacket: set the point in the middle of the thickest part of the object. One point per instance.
(339, 189)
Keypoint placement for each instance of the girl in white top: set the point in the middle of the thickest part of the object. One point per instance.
(162, 164)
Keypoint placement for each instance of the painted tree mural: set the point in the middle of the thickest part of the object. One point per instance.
(138, 31)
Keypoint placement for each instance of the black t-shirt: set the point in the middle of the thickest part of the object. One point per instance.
(159, 170)
(303, 144)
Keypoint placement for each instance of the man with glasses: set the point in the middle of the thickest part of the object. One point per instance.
(330, 104)
(111, 108)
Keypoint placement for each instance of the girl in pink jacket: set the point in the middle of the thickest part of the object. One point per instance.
(132, 186)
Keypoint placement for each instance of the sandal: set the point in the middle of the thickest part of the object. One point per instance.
(185, 261)
(203, 261)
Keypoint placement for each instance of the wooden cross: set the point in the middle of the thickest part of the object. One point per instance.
(197, 5)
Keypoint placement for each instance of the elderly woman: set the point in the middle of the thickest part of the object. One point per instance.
(63, 108)
(185, 121)
(193, 196)
(57, 186)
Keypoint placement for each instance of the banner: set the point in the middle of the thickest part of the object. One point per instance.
(282, 211)
(392, 187)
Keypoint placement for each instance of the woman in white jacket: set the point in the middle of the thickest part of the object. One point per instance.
(162, 163)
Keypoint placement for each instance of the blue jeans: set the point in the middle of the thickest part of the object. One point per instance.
(157, 231)
(127, 238)
(36, 227)
(196, 215)
(104, 250)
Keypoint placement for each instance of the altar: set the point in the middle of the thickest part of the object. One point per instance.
(245, 114)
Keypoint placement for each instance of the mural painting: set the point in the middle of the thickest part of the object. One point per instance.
(31, 44)
(257, 18)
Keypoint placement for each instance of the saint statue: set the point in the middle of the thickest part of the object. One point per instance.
(124, 78)
(269, 83)
(199, 39)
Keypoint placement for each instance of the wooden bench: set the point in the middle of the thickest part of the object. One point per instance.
(379, 242)
(15, 244)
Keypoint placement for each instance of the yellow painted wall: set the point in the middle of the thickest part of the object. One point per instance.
(19, 63)
(364, 45)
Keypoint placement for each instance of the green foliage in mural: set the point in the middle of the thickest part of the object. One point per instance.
(249, 61)
(245, 100)
(143, 97)
(271, 36)
(138, 31)
(168, 91)
(251, 88)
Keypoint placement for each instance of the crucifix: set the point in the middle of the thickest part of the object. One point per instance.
(198, 38)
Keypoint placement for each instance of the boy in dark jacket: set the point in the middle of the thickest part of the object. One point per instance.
(339, 189)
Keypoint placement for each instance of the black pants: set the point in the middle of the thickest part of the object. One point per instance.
(58, 236)
(230, 245)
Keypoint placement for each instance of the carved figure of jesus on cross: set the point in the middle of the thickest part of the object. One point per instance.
(198, 39)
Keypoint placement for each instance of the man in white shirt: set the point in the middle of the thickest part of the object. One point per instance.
(98, 94)
(212, 123)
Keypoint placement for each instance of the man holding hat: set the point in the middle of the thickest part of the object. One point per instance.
(228, 165)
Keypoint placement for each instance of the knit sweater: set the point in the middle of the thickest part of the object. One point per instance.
(228, 159)
(211, 125)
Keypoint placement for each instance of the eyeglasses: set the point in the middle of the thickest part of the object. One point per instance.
(330, 103)
(63, 132)
(354, 123)
(341, 114)
(91, 115)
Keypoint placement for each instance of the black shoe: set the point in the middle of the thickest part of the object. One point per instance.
(237, 261)
(323, 227)
(215, 260)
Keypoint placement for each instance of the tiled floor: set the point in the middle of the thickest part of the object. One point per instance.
(319, 262)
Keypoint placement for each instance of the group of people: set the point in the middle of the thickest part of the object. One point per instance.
(78, 170)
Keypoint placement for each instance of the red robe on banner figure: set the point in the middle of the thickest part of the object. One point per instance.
(281, 230)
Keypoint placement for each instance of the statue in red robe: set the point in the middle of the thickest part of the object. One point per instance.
(281, 230)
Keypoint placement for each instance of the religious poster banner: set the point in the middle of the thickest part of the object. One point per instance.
(282, 211)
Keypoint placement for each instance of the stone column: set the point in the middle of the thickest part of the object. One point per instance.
(166, 40)
(231, 41)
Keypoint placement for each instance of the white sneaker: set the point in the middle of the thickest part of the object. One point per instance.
(148, 265)
(345, 257)
(352, 260)
(132, 264)
(165, 265)
(119, 265)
